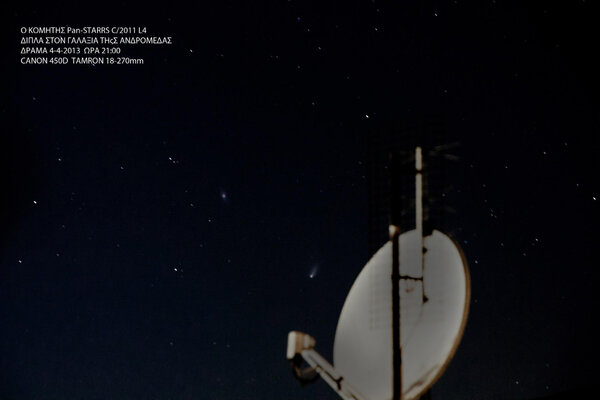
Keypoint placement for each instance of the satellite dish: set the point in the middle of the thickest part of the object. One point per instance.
(433, 312)
(402, 320)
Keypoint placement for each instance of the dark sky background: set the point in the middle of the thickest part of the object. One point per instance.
(160, 222)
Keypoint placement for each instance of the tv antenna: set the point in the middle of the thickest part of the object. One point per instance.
(403, 317)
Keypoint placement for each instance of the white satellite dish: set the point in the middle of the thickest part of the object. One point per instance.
(429, 330)
(431, 278)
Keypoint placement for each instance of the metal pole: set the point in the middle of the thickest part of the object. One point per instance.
(395, 213)
(397, 350)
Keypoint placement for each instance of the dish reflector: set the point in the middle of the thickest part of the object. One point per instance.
(429, 330)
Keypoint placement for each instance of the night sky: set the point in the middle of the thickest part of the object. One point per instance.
(163, 226)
